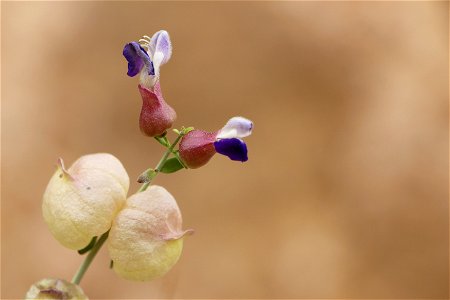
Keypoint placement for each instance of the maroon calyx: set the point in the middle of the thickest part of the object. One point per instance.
(156, 115)
(197, 148)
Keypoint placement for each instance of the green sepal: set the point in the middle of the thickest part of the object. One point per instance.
(171, 165)
(163, 141)
(88, 247)
(187, 130)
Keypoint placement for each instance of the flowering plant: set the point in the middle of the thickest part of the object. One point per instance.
(86, 204)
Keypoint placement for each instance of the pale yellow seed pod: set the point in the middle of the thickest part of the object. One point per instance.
(146, 237)
(81, 202)
(55, 289)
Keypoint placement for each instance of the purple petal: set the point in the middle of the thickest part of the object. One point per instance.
(234, 148)
(137, 58)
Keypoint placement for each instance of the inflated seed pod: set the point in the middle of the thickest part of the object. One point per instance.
(82, 201)
(55, 289)
(146, 237)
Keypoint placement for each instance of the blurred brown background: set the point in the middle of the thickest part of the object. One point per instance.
(346, 190)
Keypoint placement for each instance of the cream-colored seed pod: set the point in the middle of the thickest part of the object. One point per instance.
(81, 202)
(55, 289)
(146, 237)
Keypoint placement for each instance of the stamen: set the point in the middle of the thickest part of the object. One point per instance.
(144, 43)
(145, 39)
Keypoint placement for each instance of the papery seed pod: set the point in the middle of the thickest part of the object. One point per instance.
(81, 202)
(156, 115)
(55, 289)
(146, 237)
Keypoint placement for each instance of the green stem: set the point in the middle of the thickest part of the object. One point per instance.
(161, 162)
(89, 258)
(93, 252)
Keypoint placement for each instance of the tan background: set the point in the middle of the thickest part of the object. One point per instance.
(345, 193)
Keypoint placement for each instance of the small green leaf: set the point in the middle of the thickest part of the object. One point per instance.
(171, 165)
(176, 131)
(177, 155)
(88, 247)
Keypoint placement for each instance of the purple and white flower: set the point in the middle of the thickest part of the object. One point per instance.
(198, 146)
(146, 57)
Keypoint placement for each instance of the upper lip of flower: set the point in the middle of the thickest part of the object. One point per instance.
(147, 63)
(236, 127)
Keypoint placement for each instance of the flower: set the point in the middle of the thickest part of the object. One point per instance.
(156, 115)
(147, 63)
(146, 237)
(198, 146)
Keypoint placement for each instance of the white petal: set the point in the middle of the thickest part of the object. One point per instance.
(237, 127)
(158, 60)
(146, 80)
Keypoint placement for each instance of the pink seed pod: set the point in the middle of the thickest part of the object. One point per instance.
(81, 202)
(146, 238)
(156, 115)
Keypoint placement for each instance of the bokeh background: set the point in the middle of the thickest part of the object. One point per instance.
(345, 193)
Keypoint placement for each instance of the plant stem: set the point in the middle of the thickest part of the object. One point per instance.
(161, 162)
(93, 252)
(89, 258)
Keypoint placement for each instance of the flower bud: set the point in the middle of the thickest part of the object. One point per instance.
(55, 289)
(156, 115)
(81, 202)
(197, 148)
(146, 237)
